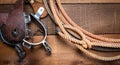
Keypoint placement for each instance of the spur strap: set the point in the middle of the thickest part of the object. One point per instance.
(3, 18)
(12, 30)
(48, 9)
(36, 4)
(14, 26)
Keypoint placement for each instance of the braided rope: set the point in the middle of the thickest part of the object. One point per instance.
(84, 31)
(88, 39)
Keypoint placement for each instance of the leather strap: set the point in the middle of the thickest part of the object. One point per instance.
(36, 4)
(48, 9)
(12, 30)
(3, 18)
(14, 27)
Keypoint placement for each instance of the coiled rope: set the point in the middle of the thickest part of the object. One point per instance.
(67, 27)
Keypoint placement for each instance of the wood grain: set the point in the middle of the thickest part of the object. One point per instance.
(7, 1)
(90, 1)
(95, 18)
(87, 16)
(63, 53)
(69, 1)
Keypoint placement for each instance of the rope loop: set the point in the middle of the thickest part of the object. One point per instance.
(86, 43)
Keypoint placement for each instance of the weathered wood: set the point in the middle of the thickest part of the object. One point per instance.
(69, 1)
(95, 18)
(88, 16)
(90, 1)
(63, 53)
(7, 1)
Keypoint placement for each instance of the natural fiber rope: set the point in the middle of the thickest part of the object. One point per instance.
(84, 31)
(102, 44)
(95, 56)
(88, 39)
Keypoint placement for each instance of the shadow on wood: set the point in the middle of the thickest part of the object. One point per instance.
(63, 53)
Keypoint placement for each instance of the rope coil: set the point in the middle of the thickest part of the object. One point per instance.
(64, 22)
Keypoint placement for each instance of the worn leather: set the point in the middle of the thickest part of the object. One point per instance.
(13, 21)
(3, 18)
(36, 5)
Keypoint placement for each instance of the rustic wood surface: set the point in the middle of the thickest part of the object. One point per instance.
(63, 53)
(95, 18)
(69, 1)
(87, 16)
(7, 1)
(90, 1)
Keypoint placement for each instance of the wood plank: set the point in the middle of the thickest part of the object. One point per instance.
(90, 1)
(7, 1)
(69, 1)
(63, 53)
(95, 18)
(88, 16)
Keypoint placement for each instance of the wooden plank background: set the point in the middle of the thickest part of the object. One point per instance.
(7, 1)
(90, 1)
(63, 53)
(87, 16)
(69, 1)
(95, 18)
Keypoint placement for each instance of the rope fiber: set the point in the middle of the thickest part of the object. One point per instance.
(87, 40)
